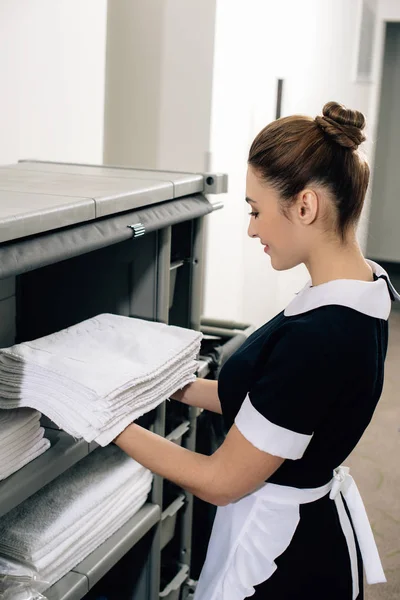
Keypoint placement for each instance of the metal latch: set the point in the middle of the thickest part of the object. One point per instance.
(138, 229)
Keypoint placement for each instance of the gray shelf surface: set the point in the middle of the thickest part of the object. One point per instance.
(36, 197)
(183, 183)
(71, 587)
(64, 453)
(26, 212)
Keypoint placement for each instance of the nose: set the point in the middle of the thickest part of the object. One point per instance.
(251, 231)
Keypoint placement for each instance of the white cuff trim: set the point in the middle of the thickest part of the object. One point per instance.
(267, 436)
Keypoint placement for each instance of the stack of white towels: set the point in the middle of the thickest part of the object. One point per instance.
(60, 525)
(93, 379)
(21, 439)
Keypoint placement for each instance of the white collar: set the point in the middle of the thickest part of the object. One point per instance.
(373, 298)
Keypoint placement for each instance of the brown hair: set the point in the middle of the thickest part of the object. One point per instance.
(293, 152)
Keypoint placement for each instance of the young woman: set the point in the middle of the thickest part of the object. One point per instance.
(299, 393)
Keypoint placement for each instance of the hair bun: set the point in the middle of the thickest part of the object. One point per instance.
(342, 125)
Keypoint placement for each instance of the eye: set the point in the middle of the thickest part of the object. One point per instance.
(254, 214)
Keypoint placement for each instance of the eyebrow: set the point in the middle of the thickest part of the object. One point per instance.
(250, 201)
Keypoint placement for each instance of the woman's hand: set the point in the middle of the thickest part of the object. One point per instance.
(202, 393)
(178, 395)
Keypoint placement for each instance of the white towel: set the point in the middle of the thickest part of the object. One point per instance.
(54, 509)
(16, 422)
(101, 527)
(17, 464)
(61, 524)
(132, 405)
(21, 439)
(18, 441)
(21, 446)
(53, 575)
(80, 355)
(86, 524)
(96, 377)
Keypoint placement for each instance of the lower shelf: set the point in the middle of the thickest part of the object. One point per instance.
(169, 518)
(173, 589)
(71, 587)
(96, 565)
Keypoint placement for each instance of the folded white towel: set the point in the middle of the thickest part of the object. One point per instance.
(17, 464)
(16, 422)
(95, 378)
(110, 432)
(54, 509)
(52, 575)
(133, 404)
(61, 524)
(97, 528)
(105, 352)
(20, 447)
(86, 524)
(12, 444)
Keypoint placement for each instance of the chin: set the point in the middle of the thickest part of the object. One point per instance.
(283, 265)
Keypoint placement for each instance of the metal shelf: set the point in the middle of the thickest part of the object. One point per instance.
(177, 434)
(100, 205)
(71, 587)
(204, 366)
(40, 196)
(171, 591)
(63, 453)
(168, 519)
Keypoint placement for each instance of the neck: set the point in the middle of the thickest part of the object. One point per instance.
(337, 260)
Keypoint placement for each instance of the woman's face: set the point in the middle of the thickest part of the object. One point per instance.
(282, 237)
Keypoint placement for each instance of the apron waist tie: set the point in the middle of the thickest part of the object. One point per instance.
(344, 484)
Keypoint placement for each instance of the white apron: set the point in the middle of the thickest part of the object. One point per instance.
(251, 533)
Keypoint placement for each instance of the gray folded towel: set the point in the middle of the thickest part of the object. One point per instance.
(53, 567)
(31, 530)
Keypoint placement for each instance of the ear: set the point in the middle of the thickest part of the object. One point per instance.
(306, 207)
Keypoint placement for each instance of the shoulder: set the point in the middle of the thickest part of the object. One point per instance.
(332, 330)
(333, 323)
(330, 337)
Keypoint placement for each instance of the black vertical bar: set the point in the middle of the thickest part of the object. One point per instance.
(279, 95)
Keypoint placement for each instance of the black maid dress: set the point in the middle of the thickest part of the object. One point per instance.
(304, 387)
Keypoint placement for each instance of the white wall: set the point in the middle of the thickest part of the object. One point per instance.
(186, 84)
(133, 82)
(52, 64)
(158, 84)
(384, 222)
(230, 137)
(311, 44)
(388, 11)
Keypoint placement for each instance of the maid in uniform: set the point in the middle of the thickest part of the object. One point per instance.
(299, 393)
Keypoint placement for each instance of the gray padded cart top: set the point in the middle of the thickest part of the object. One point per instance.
(36, 197)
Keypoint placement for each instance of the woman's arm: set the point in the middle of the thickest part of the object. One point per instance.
(202, 393)
(236, 469)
